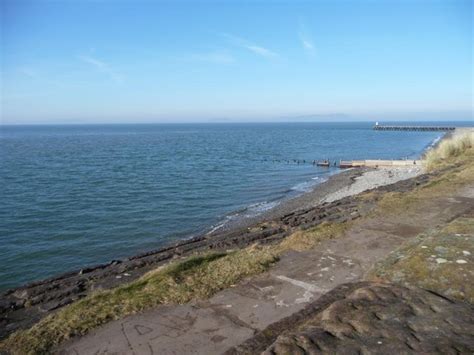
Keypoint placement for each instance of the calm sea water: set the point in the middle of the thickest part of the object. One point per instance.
(78, 195)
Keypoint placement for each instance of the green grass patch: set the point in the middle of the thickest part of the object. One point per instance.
(461, 225)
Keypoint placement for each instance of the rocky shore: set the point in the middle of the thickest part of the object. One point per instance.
(370, 261)
(330, 201)
(395, 274)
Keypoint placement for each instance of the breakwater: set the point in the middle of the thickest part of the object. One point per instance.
(378, 127)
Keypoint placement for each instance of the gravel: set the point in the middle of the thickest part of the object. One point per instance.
(372, 179)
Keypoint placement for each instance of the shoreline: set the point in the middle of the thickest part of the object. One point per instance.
(325, 191)
(302, 201)
(236, 219)
(336, 187)
(282, 267)
(26, 304)
(22, 307)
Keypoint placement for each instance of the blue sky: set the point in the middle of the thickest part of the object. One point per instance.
(146, 61)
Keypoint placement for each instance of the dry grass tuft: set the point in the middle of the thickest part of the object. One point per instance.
(448, 150)
(196, 277)
(448, 178)
(307, 239)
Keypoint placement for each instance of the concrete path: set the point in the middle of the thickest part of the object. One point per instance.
(235, 314)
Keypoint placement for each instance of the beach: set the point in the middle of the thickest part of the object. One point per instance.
(388, 241)
(238, 178)
(239, 290)
(107, 192)
(346, 183)
(323, 203)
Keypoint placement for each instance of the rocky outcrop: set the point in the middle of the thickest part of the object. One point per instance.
(371, 318)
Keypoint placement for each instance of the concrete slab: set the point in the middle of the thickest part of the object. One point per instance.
(167, 330)
(259, 306)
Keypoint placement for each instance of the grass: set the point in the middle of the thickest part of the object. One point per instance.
(308, 239)
(450, 174)
(415, 262)
(441, 261)
(196, 277)
(448, 150)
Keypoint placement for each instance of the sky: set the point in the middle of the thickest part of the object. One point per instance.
(106, 61)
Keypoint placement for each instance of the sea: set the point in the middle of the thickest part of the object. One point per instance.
(78, 195)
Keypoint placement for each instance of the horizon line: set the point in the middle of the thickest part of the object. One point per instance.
(225, 122)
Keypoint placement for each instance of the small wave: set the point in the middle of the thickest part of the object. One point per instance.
(435, 141)
(305, 186)
(323, 179)
(258, 208)
(308, 186)
(216, 227)
(221, 224)
(250, 211)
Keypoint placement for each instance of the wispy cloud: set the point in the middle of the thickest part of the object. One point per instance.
(102, 67)
(250, 46)
(216, 57)
(306, 41)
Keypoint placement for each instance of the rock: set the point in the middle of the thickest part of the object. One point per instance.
(372, 319)
(441, 250)
(6, 305)
(441, 261)
(461, 261)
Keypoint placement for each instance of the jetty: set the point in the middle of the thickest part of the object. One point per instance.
(379, 127)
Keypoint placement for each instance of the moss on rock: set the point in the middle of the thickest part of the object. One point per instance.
(442, 261)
